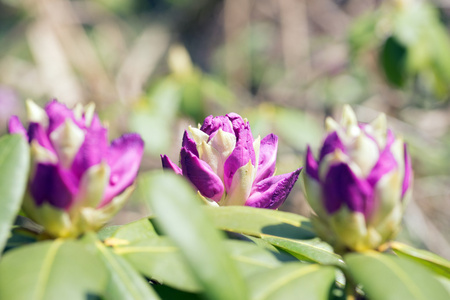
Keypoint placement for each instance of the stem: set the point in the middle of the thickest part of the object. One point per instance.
(350, 287)
(350, 290)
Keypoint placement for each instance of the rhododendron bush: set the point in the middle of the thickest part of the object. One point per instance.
(214, 231)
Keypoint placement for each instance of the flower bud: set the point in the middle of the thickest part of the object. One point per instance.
(229, 167)
(359, 185)
(78, 181)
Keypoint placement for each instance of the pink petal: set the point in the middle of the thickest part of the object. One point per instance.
(201, 175)
(168, 164)
(267, 157)
(273, 191)
(124, 157)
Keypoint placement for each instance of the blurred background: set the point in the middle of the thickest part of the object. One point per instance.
(157, 66)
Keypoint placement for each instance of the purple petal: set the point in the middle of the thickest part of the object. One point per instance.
(16, 127)
(342, 186)
(385, 164)
(57, 114)
(267, 157)
(124, 157)
(201, 175)
(93, 149)
(273, 191)
(168, 164)
(189, 144)
(331, 143)
(311, 165)
(241, 155)
(408, 171)
(212, 124)
(390, 138)
(236, 120)
(37, 132)
(53, 185)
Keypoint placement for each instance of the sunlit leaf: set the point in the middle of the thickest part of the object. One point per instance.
(136, 231)
(178, 213)
(160, 260)
(250, 258)
(385, 277)
(14, 162)
(256, 221)
(51, 270)
(107, 232)
(307, 250)
(293, 281)
(428, 259)
(124, 282)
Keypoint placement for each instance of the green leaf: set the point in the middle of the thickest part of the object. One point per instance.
(293, 281)
(107, 232)
(362, 34)
(430, 260)
(287, 122)
(445, 282)
(158, 111)
(20, 237)
(216, 91)
(136, 231)
(385, 277)
(166, 292)
(393, 60)
(256, 221)
(250, 258)
(179, 214)
(14, 164)
(159, 260)
(124, 281)
(309, 250)
(51, 270)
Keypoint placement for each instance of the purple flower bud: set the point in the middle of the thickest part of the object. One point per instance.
(359, 184)
(228, 167)
(78, 181)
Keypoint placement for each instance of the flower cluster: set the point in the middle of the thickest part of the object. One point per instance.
(228, 167)
(359, 185)
(78, 181)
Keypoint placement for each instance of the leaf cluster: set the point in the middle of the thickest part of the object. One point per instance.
(191, 251)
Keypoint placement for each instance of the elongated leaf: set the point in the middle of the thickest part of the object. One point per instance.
(124, 281)
(160, 260)
(385, 277)
(107, 232)
(14, 164)
(52, 270)
(445, 282)
(308, 250)
(430, 260)
(136, 231)
(293, 281)
(179, 214)
(250, 258)
(256, 221)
